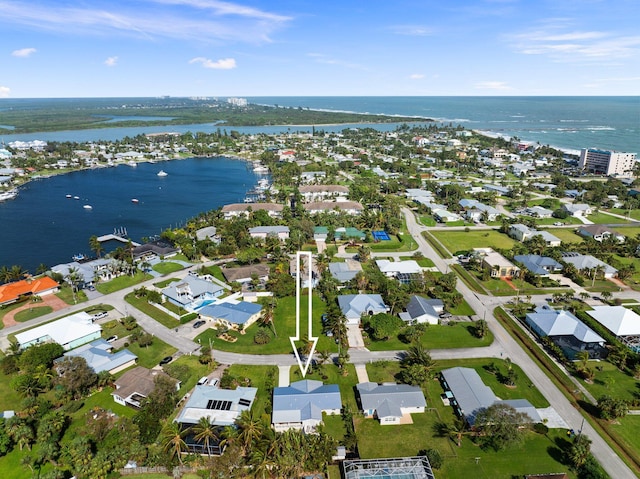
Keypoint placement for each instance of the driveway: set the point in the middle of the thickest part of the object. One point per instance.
(354, 335)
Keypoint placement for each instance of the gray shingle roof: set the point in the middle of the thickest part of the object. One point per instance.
(388, 399)
(303, 400)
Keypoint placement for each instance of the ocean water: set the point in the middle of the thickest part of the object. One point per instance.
(41, 225)
(563, 122)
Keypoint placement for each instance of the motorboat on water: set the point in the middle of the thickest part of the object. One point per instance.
(76, 197)
(8, 195)
(69, 196)
(162, 173)
(135, 200)
(88, 207)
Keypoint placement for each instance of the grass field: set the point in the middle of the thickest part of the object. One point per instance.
(66, 295)
(456, 241)
(611, 381)
(167, 267)
(259, 377)
(603, 218)
(151, 355)
(453, 335)
(632, 214)
(143, 305)
(284, 320)
(32, 312)
(566, 235)
(122, 282)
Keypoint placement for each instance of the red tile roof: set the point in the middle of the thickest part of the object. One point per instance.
(12, 291)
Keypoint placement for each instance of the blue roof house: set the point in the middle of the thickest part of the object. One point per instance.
(192, 291)
(391, 403)
(538, 265)
(236, 315)
(98, 356)
(300, 406)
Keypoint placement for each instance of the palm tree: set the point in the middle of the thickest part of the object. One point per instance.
(580, 450)
(455, 430)
(172, 439)
(16, 272)
(250, 428)
(205, 432)
(96, 246)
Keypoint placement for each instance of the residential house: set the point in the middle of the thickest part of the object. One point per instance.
(262, 232)
(422, 310)
(392, 269)
(567, 331)
(497, 265)
(307, 177)
(586, 263)
(300, 406)
(311, 193)
(600, 233)
(347, 207)
(221, 406)
(88, 272)
(345, 272)
(233, 210)
(390, 403)
(208, 233)
(444, 216)
(577, 209)
(191, 291)
(136, 384)
(621, 321)
(523, 233)
(476, 211)
(12, 292)
(353, 306)
(304, 267)
(154, 250)
(539, 212)
(468, 394)
(243, 274)
(538, 265)
(69, 332)
(99, 356)
(232, 314)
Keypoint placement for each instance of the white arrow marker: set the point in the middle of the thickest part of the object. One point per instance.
(314, 341)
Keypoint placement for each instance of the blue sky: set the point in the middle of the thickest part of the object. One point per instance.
(96, 48)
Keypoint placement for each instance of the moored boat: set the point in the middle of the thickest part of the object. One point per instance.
(88, 207)
(134, 200)
(162, 173)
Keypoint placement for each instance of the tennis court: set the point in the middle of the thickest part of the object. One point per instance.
(380, 236)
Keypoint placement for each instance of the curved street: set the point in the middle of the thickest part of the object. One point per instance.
(503, 346)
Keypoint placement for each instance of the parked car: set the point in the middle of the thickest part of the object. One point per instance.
(111, 339)
(203, 381)
(445, 315)
(166, 360)
(214, 382)
(558, 223)
(197, 324)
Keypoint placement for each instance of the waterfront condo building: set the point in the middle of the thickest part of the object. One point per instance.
(610, 163)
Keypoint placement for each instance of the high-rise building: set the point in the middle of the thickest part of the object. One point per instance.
(610, 163)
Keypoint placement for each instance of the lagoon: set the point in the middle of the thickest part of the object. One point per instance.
(42, 225)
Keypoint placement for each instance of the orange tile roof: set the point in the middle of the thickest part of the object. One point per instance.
(11, 291)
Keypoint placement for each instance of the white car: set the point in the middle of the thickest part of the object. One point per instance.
(203, 381)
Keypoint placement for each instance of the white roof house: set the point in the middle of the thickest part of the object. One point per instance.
(221, 406)
(280, 232)
(617, 319)
(390, 402)
(69, 332)
(99, 357)
(393, 268)
(353, 306)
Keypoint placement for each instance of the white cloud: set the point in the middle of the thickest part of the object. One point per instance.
(222, 64)
(111, 61)
(23, 52)
(557, 40)
(412, 30)
(416, 76)
(493, 85)
(4, 91)
(148, 19)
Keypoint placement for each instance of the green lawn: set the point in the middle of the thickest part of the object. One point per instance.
(114, 327)
(456, 241)
(603, 218)
(259, 377)
(284, 320)
(566, 235)
(611, 381)
(463, 309)
(166, 282)
(539, 454)
(122, 282)
(425, 262)
(633, 214)
(427, 220)
(167, 267)
(191, 371)
(626, 432)
(32, 312)
(453, 335)
(151, 355)
(66, 295)
(143, 305)
(9, 398)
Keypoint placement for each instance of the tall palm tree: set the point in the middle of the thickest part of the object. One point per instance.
(250, 428)
(172, 439)
(96, 246)
(205, 432)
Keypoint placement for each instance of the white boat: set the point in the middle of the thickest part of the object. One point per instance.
(8, 195)
(76, 197)
(132, 163)
(162, 173)
(135, 200)
(69, 196)
(88, 207)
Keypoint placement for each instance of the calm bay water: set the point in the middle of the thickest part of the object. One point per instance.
(42, 226)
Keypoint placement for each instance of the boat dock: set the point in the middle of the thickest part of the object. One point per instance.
(116, 237)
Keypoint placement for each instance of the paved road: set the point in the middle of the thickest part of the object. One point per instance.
(503, 346)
